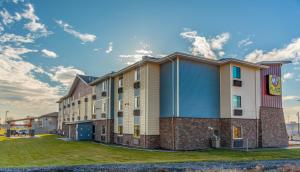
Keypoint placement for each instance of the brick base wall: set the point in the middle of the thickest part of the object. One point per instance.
(196, 133)
(189, 133)
(145, 141)
(108, 137)
(273, 129)
(250, 131)
(66, 128)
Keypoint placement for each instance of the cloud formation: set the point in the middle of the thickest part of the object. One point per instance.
(245, 42)
(49, 53)
(65, 75)
(289, 52)
(84, 37)
(133, 58)
(288, 75)
(207, 47)
(110, 48)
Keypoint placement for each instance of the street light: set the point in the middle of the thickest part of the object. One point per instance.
(6, 116)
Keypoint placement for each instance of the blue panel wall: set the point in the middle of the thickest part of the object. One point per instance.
(167, 94)
(199, 94)
(85, 131)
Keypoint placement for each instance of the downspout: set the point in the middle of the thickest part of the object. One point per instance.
(146, 97)
(173, 105)
(256, 113)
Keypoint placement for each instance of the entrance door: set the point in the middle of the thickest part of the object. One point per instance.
(94, 132)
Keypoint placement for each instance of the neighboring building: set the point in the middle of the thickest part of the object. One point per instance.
(181, 102)
(76, 109)
(46, 124)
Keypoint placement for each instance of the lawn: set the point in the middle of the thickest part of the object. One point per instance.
(47, 150)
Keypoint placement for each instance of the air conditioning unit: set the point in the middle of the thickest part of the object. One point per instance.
(237, 83)
(237, 112)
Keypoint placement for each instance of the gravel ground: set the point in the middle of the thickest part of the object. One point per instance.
(253, 166)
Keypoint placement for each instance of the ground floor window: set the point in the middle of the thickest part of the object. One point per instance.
(103, 130)
(120, 125)
(136, 126)
(237, 132)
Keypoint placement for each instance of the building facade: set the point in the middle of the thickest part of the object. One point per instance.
(182, 102)
(47, 123)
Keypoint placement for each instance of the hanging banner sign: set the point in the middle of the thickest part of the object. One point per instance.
(274, 85)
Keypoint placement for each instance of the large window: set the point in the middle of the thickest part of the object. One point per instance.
(237, 132)
(120, 102)
(237, 101)
(120, 125)
(137, 74)
(236, 72)
(104, 107)
(136, 126)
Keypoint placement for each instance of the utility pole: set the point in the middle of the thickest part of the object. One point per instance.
(6, 116)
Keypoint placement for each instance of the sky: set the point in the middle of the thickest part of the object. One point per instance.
(45, 43)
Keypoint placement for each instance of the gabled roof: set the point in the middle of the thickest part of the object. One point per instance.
(84, 78)
(104, 77)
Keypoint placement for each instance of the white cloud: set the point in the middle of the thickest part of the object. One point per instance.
(65, 75)
(21, 91)
(133, 58)
(8, 37)
(14, 53)
(289, 52)
(7, 18)
(49, 53)
(285, 98)
(203, 46)
(84, 37)
(245, 42)
(96, 49)
(110, 48)
(34, 25)
(287, 76)
(221, 53)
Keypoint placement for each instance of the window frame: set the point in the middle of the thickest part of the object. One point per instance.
(120, 125)
(238, 101)
(137, 126)
(137, 74)
(235, 75)
(233, 132)
(137, 102)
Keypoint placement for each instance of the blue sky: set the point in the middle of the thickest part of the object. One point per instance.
(44, 43)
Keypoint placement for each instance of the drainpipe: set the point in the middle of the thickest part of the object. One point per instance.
(256, 113)
(173, 105)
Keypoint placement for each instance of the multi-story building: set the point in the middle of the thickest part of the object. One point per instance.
(75, 109)
(182, 102)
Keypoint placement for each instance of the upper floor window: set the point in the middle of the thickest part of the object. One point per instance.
(237, 101)
(104, 107)
(137, 74)
(104, 86)
(236, 72)
(120, 81)
(137, 102)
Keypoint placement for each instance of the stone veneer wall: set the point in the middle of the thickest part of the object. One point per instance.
(250, 131)
(189, 133)
(194, 133)
(273, 129)
(109, 130)
(145, 141)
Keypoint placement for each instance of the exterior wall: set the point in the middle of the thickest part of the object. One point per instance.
(149, 104)
(84, 131)
(101, 99)
(266, 99)
(168, 86)
(49, 123)
(249, 92)
(250, 131)
(199, 90)
(145, 141)
(108, 137)
(225, 91)
(189, 133)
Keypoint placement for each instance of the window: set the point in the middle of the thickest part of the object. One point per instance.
(237, 101)
(120, 81)
(94, 108)
(104, 86)
(120, 125)
(120, 105)
(237, 132)
(136, 126)
(104, 107)
(137, 74)
(136, 102)
(103, 129)
(236, 72)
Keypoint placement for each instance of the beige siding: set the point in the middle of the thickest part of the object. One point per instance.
(153, 109)
(249, 92)
(225, 91)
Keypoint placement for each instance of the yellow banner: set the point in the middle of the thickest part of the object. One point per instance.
(274, 85)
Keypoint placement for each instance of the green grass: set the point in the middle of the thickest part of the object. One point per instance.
(49, 151)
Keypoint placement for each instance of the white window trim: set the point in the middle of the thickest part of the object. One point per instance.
(233, 102)
(135, 102)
